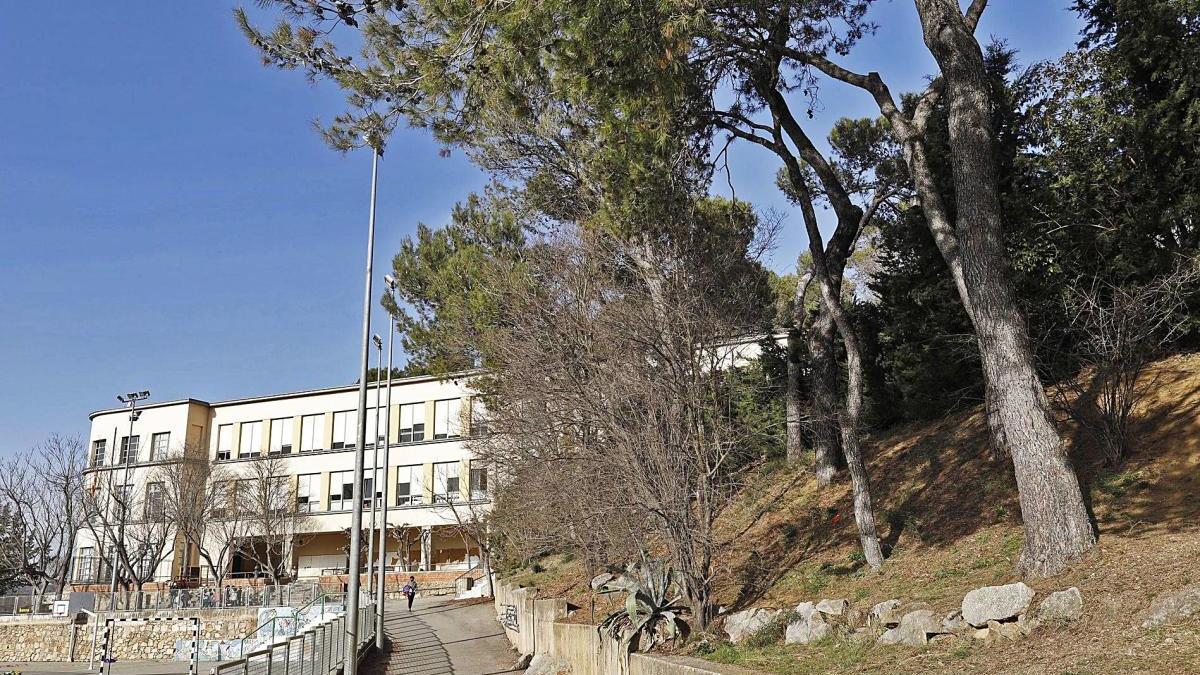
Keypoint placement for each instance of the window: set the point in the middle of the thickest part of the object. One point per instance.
(281, 436)
(308, 492)
(224, 441)
(129, 450)
(251, 439)
(445, 482)
(122, 495)
(409, 486)
(341, 490)
(479, 489)
(345, 427)
(374, 426)
(412, 422)
(99, 450)
(371, 486)
(158, 445)
(478, 417)
(310, 432)
(223, 496)
(447, 418)
(156, 502)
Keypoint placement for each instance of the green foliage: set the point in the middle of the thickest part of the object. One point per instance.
(653, 611)
(451, 282)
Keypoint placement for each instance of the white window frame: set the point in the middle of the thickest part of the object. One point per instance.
(130, 445)
(447, 418)
(311, 428)
(478, 488)
(99, 451)
(341, 480)
(443, 473)
(345, 430)
(308, 489)
(254, 430)
(160, 443)
(412, 422)
(415, 474)
(282, 429)
(225, 441)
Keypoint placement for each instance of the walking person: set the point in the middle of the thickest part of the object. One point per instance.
(410, 591)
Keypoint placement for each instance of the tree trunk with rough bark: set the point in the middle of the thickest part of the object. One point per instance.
(1057, 527)
(851, 414)
(823, 382)
(795, 406)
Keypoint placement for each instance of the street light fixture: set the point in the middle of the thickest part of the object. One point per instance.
(374, 466)
(131, 399)
(381, 589)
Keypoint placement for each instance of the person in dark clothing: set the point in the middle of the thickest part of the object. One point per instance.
(410, 591)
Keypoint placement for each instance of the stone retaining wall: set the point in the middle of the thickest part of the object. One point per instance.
(60, 639)
(533, 626)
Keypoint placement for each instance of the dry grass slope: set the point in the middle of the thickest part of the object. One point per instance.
(950, 519)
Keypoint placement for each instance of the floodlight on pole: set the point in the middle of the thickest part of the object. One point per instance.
(131, 399)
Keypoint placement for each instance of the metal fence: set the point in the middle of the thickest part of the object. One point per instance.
(295, 594)
(26, 604)
(320, 650)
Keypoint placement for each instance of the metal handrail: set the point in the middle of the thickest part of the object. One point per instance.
(320, 650)
(272, 621)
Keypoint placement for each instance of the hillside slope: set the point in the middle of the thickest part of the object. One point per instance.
(948, 513)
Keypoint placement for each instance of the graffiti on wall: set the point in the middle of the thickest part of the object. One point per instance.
(508, 618)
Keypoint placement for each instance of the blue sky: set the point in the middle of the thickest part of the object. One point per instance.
(169, 219)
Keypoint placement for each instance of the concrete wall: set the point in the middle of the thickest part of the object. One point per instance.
(534, 626)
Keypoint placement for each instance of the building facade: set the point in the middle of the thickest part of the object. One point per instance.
(310, 438)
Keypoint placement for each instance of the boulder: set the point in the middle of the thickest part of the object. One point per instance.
(890, 636)
(885, 614)
(916, 627)
(1173, 606)
(1008, 630)
(1060, 606)
(833, 607)
(995, 603)
(806, 610)
(600, 579)
(954, 622)
(805, 631)
(743, 624)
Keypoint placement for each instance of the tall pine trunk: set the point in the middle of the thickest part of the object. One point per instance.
(823, 382)
(1057, 527)
(795, 403)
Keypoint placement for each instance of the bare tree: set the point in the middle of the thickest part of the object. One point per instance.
(274, 523)
(473, 524)
(199, 497)
(135, 526)
(614, 388)
(43, 493)
(1118, 331)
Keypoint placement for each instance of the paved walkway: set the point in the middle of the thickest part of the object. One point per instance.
(443, 638)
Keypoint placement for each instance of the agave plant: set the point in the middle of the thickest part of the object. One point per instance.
(653, 612)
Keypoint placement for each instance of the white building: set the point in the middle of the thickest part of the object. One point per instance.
(432, 483)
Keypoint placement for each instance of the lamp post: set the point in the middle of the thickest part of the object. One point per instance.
(131, 399)
(381, 590)
(355, 564)
(375, 467)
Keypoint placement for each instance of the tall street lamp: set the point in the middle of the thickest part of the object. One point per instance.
(356, 515)
(374, 466)
(381, 594)
(131, 399)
